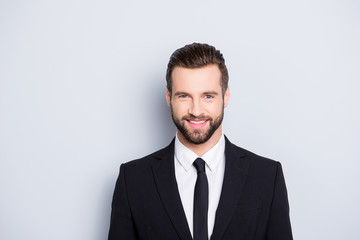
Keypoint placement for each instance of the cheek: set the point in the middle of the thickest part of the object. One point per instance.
(216, 109)
(178, 109)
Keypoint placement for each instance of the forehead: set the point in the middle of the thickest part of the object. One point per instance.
(207, 78)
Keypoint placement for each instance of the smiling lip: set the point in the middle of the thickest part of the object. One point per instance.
(197, 124)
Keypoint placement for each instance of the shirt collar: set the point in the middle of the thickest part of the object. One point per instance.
(186, 157)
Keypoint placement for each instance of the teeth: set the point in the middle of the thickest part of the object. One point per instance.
(197, 122)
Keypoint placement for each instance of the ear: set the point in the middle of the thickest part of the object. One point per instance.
(226, 97)
(168, 97)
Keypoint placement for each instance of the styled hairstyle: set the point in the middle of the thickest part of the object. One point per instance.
(197, 55)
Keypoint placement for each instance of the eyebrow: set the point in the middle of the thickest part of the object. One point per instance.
(180, 93)
(211, 93)
(205, 93)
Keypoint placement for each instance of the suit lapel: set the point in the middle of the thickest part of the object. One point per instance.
(234, 179)
(164, 174)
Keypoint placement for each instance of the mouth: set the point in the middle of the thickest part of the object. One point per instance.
(197, 124)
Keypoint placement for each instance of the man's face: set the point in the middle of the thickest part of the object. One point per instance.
(197, 104)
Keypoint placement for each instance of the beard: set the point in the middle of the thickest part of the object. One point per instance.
(197, 136)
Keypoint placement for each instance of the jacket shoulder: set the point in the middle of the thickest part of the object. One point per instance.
(146, 160)
(248, 156)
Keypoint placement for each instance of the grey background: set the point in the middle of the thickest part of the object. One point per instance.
(82, 89)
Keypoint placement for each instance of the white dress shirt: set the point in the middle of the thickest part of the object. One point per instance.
(186, 176)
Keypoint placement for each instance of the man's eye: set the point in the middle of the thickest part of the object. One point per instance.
(183, 96)
(209, 96)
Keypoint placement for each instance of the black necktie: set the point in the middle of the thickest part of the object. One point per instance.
(201, 202)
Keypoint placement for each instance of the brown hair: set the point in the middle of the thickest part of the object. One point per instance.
(197, 55)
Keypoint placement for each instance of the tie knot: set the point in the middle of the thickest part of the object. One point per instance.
(199, 164)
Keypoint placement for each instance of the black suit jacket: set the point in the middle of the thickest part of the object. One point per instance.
(253, 202)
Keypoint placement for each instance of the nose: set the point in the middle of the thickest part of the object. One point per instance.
(195, 108)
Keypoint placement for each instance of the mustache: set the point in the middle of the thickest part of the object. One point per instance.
(193, 117)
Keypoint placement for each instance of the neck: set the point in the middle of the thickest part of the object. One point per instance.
(201, 149)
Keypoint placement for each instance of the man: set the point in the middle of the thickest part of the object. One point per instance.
(201, 186)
